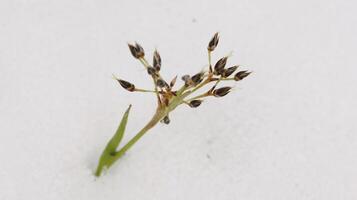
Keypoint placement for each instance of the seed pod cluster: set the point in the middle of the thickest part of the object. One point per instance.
(217, 72)
(136, 50)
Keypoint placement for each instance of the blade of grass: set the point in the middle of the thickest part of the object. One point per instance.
(110, 149)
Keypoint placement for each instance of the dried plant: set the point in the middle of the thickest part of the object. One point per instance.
(169, 98)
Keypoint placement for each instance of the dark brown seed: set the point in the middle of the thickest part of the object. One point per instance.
(221, 91)
(151, 71)
(219, 66)
(157, 61)
(136, 50)
(197, 78)
(241, 75)
(161, 83)
(213, 42)
(166, 120)
(195, 103)
(229, 71)
(126, 85)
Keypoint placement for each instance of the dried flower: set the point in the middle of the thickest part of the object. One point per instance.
(157, 61)
(187, 80)
(241, 75)
(213, 42)
(219, 66)
(151, 71)
(223, 91)
(136, 50)
(161, 83)
(126, 85)
(195, 103)
(227, 72)
(173, 81)
(197, 78)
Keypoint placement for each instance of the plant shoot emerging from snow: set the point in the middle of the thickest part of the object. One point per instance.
(168, 98)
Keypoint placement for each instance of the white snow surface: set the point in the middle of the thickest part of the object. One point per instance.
(288, 131)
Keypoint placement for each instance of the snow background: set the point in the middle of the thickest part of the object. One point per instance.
(287, 132)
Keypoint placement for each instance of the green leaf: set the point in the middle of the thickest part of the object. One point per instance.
(112, 145)
(116, 139)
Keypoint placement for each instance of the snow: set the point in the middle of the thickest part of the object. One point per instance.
(286, 132)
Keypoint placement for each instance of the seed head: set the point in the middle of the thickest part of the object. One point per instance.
(229, 71)
(241, 75)
(197, 78)
(136, 50)
(195, 103)
(126, 85)
(157, 61)
(223, 91)
(213, 42)
(219, 66)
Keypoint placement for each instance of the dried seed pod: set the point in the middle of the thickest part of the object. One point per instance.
(126, 85)
(197, 78)
(195, 103)
(157, 61)
(136, 50)
(241, 75)
(229, 71)
(161, 83)
(151, 71)
(173, 81)
(219, 67)
(187, 80)
(185, 77)
(213, 42)
(166, 120)
(221, 91)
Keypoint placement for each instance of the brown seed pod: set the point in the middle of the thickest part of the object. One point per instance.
(223, 91)
(195, 103)
(126, 85)
(151, 71)
(173, 81)
(187, 80)
(229, 71)
(219, 66)
(161, 83)
(241, 75)
(213, 42)
(136, 50)
(197, 78)
(157, 61)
